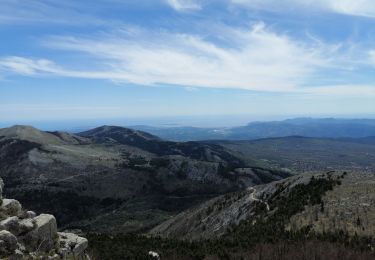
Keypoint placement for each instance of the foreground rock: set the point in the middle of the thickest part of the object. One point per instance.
(25, 235)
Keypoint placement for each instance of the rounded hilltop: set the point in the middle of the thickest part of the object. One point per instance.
(32, 134)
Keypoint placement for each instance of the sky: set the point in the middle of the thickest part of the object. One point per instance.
(250, 59)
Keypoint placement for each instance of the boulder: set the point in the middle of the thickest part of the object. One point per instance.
(30, 214)
(71, 245)
(43, 236)
(10, 224)
(11, 207)
(24, 235)
(27, 214)
(8, 243)
(17, 226)
(26, 225)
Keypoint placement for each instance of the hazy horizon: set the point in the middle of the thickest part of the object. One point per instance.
(207, 121)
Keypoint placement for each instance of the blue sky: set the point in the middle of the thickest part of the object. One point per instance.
(75, 60)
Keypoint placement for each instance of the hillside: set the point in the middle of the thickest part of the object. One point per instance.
(116, 177)
(216, 217)
(311, 216)
(345, 205)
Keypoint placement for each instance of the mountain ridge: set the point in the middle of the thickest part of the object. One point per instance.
(308, 127)
(115, 175)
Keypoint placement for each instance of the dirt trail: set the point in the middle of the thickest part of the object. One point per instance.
(252, 197)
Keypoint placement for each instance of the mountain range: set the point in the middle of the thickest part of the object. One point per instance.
(131, 192)
(307, 127)
(118, 177)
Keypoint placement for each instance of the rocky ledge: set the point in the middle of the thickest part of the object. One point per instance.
(25, 235)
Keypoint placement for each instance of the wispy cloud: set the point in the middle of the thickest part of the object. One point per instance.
(184, 5)
(348, 7)
(43, 67)
(258, 59)
(25, 66)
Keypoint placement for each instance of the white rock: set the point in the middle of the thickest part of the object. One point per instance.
(30, 214)
(10, 224)
(17, 226)
(153, 255)
(27, 214)
(17, 255)
(43, 236)
(11, 207)
(26, 225)
(54, 257)
(23, 235)
(72, 245)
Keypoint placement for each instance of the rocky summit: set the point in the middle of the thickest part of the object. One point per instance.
(26, 235)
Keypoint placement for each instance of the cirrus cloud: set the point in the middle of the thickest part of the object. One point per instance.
(254, 59)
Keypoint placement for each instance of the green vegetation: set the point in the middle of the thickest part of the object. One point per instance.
(13, 150)
(266, 228)
(132, 246)
(308, 154)
(159, 162)
(271, 227)
(67, 206)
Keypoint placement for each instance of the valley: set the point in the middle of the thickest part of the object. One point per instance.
(218, 199)
(303, 154)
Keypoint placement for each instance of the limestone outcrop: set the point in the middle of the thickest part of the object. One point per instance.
(26, 235)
